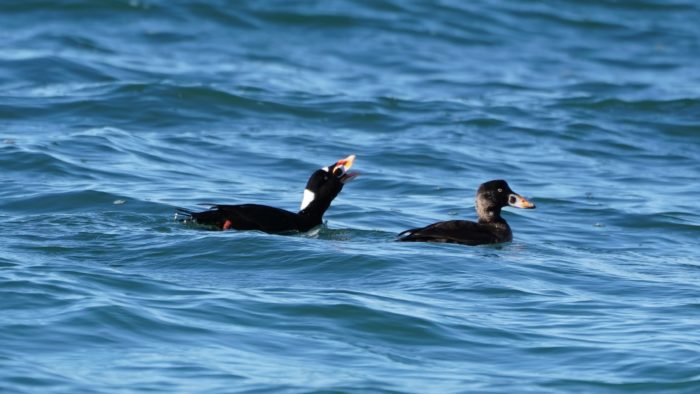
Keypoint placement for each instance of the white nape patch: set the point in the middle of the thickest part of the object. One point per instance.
(308, 197)
(326, 169)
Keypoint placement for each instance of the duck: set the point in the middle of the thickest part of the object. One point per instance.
(490, 228)
(322, 187)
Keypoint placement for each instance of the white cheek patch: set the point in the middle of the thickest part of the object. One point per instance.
(309, 196)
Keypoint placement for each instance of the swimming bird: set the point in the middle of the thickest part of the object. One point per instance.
(322, 187)
(491, 227)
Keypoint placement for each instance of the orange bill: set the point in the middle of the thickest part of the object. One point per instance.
(518, 201)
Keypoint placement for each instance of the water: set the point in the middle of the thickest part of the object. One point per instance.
(113, 113)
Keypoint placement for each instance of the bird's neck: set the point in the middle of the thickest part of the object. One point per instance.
(314, 211)
(489, 215)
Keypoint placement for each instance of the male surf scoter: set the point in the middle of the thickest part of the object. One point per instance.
(491, 227)
(323, 186)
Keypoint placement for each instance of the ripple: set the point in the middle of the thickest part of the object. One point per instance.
(115, 113)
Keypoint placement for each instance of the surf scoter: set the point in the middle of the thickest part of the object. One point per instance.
(323, 186)
(491, 227)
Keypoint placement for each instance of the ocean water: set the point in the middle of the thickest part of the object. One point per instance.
(114, 112)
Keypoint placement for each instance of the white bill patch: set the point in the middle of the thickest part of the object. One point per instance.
(308, 197)
(514, 201)
(339, 171)
(519, 202)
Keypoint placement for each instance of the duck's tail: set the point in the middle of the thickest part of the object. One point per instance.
(408, 235)
(184, 215)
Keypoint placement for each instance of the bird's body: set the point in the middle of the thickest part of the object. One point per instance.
(251, 217)
(323, 186)
(461, 232)
(491, 227)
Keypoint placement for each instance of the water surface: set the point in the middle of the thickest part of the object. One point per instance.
(113, 113)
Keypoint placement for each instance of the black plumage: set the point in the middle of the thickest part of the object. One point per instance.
(491, 228)
(322, 187)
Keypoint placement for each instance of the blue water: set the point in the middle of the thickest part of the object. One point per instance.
(113, 113)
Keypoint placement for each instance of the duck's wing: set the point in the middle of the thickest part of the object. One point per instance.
(245, 217)
(453, 231)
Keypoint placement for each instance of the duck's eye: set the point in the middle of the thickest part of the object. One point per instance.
(500, 190)
(512, 200)
(339, 171)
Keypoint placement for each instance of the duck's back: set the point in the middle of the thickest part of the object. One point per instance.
(247, 217)
(458, 231)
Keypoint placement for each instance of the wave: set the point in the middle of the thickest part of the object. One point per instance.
(115, 113)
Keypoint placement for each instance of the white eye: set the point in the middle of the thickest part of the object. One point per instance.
(500, 190)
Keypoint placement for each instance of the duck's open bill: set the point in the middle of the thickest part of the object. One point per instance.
(344, 165)
(346, 162)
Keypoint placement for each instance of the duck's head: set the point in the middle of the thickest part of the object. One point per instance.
(496, 194)
(325, 184)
